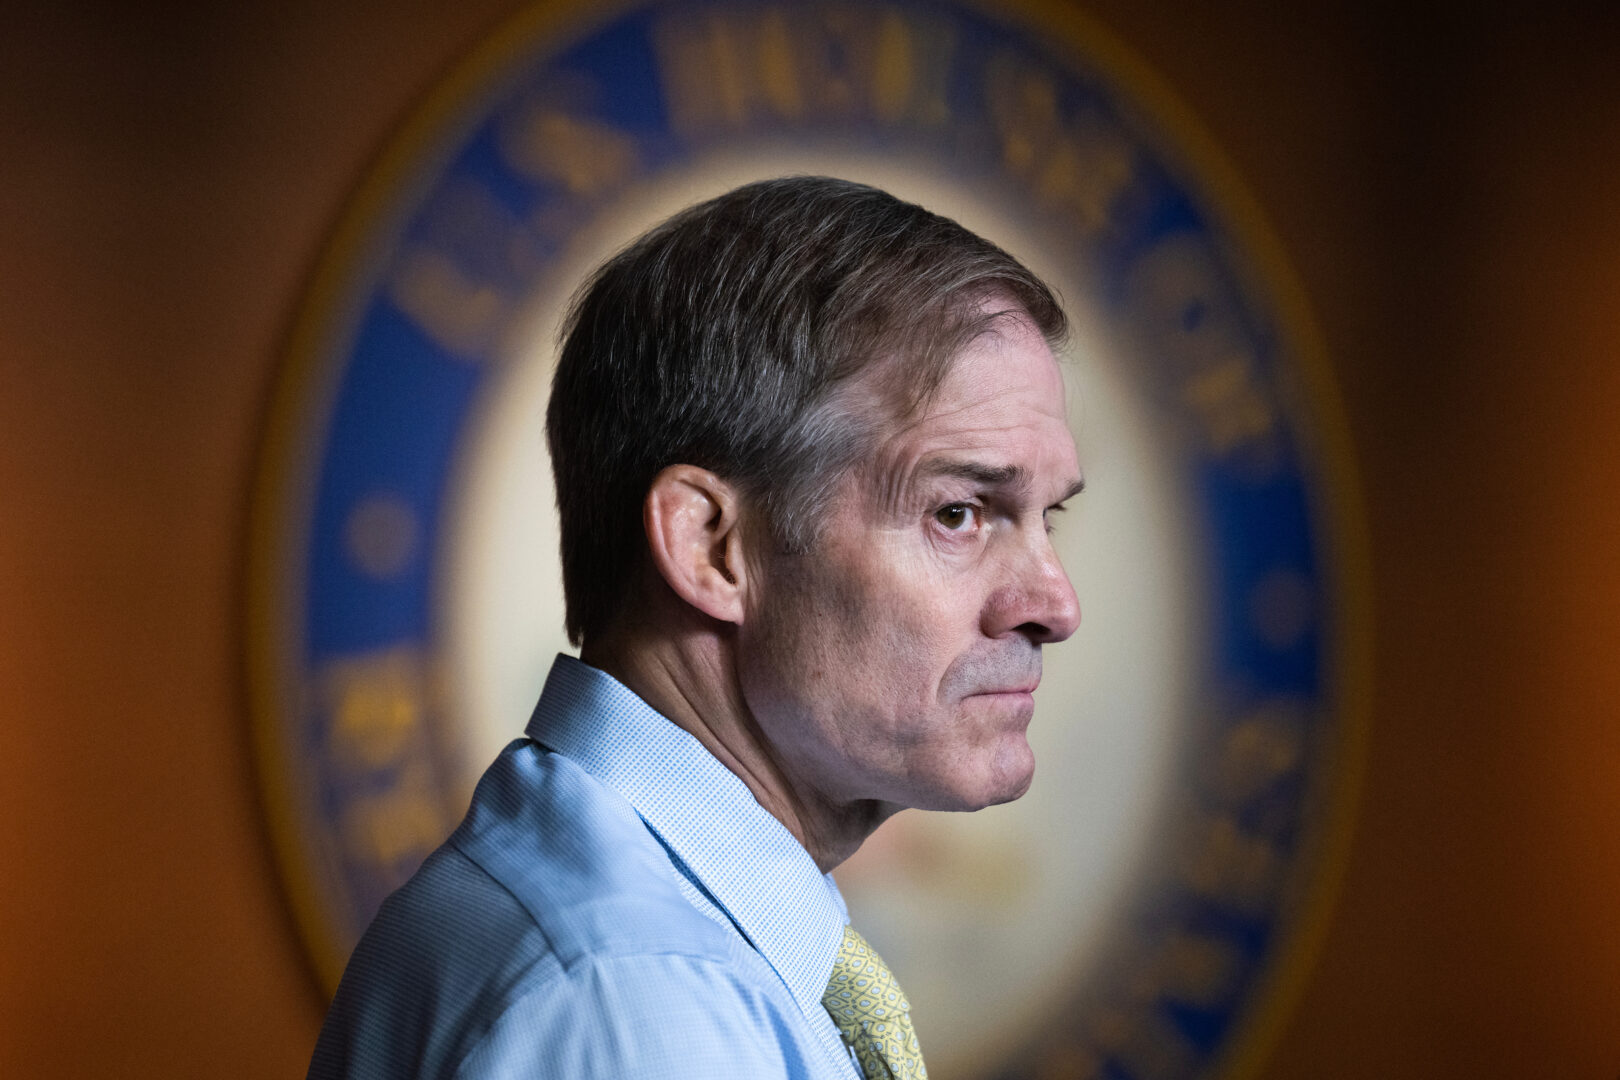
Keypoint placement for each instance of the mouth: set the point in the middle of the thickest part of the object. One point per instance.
(1020, 698)
(1020, 690)
(1007, 675)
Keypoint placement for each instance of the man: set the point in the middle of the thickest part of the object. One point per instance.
(807, 439)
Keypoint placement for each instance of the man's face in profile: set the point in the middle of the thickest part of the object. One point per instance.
(896, 660)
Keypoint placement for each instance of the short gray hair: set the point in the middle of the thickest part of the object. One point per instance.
(721, 339)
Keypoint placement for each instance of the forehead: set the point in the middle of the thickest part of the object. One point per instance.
(1001, 402)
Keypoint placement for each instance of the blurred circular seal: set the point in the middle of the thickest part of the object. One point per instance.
(1146, 909)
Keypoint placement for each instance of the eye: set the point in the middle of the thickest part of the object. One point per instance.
(957, 517)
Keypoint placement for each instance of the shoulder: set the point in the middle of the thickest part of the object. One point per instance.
(641, 1016)
(551, 885)
(577, 860)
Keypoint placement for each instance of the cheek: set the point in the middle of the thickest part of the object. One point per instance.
(859, 635)
(895, 638)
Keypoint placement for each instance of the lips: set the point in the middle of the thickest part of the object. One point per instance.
(1004, 669)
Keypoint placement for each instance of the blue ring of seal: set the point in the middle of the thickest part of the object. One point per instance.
(361, 776)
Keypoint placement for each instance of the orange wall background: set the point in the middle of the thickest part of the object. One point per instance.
(1442, 182)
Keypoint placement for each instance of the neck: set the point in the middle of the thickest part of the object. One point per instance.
(690, 676)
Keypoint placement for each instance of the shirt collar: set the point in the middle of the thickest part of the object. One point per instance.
(750, 864)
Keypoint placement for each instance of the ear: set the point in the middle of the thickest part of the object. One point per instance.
(691, 519)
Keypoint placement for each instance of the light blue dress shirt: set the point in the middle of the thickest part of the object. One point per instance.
(616, 904)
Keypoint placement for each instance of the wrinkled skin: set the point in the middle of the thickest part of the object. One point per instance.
(892, 665)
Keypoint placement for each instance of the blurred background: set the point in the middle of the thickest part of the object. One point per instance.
(1439, 179)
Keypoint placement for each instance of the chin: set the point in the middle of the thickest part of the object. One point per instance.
(1016, 787)
(1004, 779)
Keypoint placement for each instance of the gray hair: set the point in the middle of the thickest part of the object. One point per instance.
(727, 338)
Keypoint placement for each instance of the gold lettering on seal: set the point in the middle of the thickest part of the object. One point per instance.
(376, 708)
(1077, 166)
(701, 60)
(1233, 852)
(1187, 315)
(729, 68)
(459, 313)
(912, 68)
(777, 69)
(1228, 402)
(1262, 747)
(458, 279)
(583, 155)
(1230, 866)
(375, 705)
(397, 827)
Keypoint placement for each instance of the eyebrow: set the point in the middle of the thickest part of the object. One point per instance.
(1070, 492)
(1003, 476)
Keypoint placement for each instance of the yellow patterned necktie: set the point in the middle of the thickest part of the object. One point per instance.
(872, 1013)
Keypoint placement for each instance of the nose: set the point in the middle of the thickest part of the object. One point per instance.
(1036, 599)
